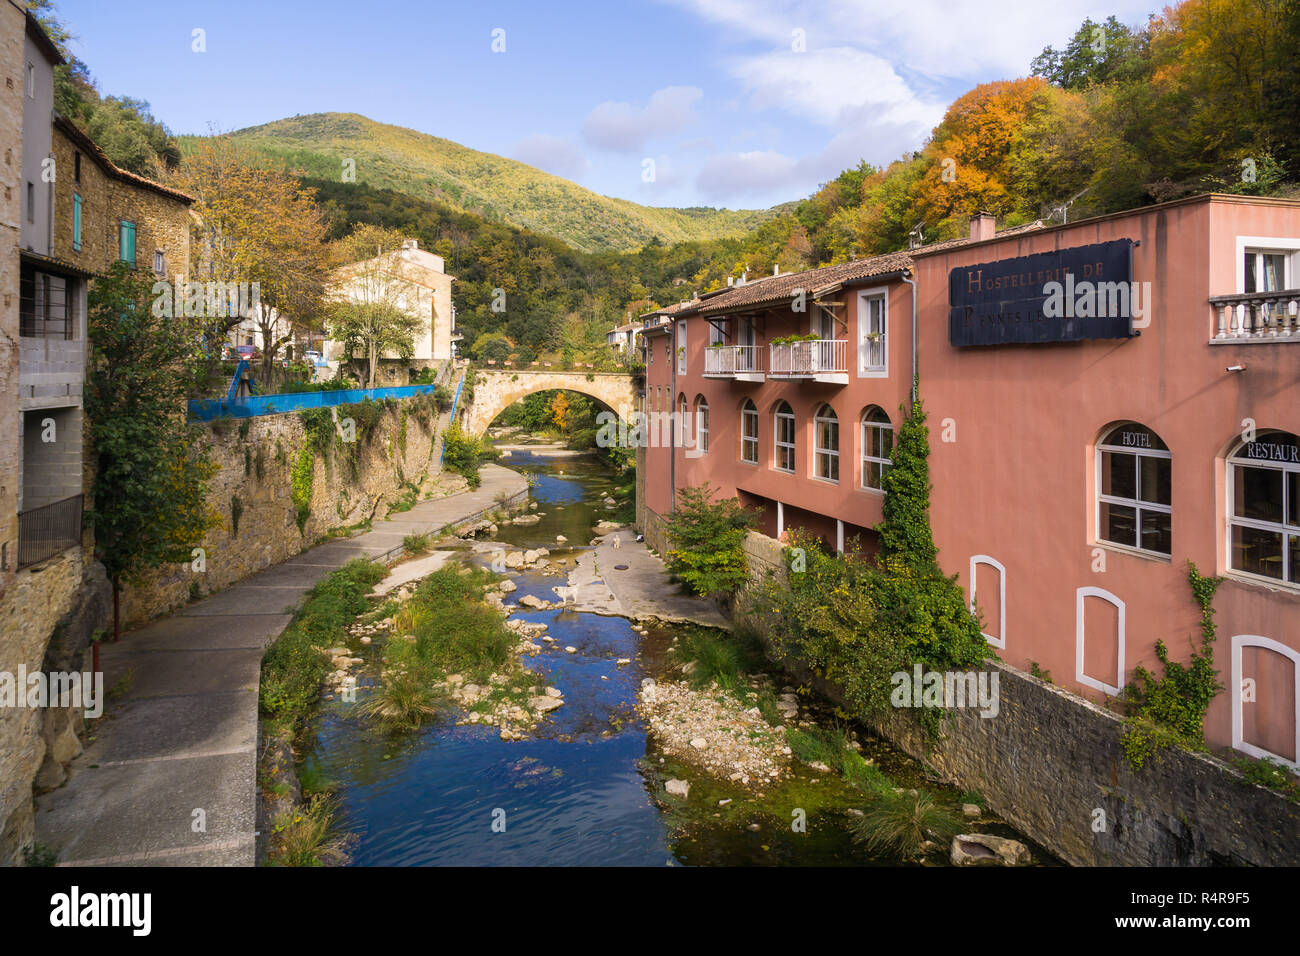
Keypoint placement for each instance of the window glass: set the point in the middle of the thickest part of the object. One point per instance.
(1136, 489)
(1264, 476)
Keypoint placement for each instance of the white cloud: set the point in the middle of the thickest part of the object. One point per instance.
(759, 172)
(552, 153)
(824, 87)
(625, 128)
(957, 39)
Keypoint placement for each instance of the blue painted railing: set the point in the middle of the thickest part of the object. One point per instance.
(205, 410)
(455, 403)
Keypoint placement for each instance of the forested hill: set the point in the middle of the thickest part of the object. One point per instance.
(491, 186)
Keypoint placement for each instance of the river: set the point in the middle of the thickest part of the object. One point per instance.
(588, 786)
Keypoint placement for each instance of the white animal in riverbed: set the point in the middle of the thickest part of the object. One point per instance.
(618, 540)
(565, 594)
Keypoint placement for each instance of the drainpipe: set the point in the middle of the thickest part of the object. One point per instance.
(912, 283)
(672, 424)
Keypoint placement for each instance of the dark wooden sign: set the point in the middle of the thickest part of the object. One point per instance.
(1086, 292)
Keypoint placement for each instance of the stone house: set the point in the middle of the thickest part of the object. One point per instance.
(418, 283)
(67, 213)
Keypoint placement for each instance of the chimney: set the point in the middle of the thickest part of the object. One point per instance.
(776, 270)
(982, 226)
(410, 244)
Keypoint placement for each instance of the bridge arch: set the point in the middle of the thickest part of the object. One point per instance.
(495, 390)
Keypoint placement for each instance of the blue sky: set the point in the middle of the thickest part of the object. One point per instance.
(739, 103)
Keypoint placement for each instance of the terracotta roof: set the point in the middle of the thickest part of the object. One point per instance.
(813, 282)
(768, 290)
(74, 133)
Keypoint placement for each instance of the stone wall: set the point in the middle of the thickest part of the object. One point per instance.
(255, 459)
(31, 608)
(12, 27)
(1052, 764)
(108, 196)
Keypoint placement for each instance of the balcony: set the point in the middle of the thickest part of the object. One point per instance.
(44, 532)
(741, 363)
(820, 360)
(1256, 317)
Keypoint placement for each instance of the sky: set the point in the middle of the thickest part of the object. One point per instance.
(729, 103)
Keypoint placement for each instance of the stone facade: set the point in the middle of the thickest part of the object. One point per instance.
(109, 197)
(255, 469)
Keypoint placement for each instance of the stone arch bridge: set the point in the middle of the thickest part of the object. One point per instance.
(497, 389)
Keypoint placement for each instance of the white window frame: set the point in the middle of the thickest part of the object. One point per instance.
(702, 425)
(975, 561)
(1079, 600)
(818, 451)
(1278, 527)
(748, 413)
(1137, 504)
(681, 347)
(866, 370)
(778, 444)
(1239, 643)
(1288, 246)
(716, 335)
(885, 463)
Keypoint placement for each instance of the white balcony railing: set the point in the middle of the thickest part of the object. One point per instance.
(728, 360)
(1257, 317)
(809, 358)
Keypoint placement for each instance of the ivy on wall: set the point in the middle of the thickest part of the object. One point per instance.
(1170, 710)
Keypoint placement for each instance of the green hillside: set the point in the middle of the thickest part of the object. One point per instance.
(496, 188)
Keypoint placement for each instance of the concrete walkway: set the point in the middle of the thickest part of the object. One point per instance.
(641, 589)
(169, 776)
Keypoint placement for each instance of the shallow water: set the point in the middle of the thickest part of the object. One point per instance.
(587, 788)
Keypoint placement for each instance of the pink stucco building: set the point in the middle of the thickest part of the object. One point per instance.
(1088, 439)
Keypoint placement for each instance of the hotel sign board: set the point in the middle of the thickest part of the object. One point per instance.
(1061, 296)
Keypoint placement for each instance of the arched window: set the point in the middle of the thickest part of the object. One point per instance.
(1264, 512)
(749, 432)
(877, 446)
(783, 439)
(701, 424)
(1134, 489)
(826, 429)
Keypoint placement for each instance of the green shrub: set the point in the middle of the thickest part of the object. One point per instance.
(292, 669)
(461, 453)
(706, 542)
(898, 824)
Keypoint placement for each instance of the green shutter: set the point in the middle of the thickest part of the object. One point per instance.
(76, 223)
(127, 250)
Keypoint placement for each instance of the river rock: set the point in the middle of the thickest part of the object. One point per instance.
(678, 788)
(514, 559)
(699, 743)
(970, 811)
(526, 519)
(560, 539)
(507, 586)
(554, 692)
(544, 703)
(984, 849)
(530, 600)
